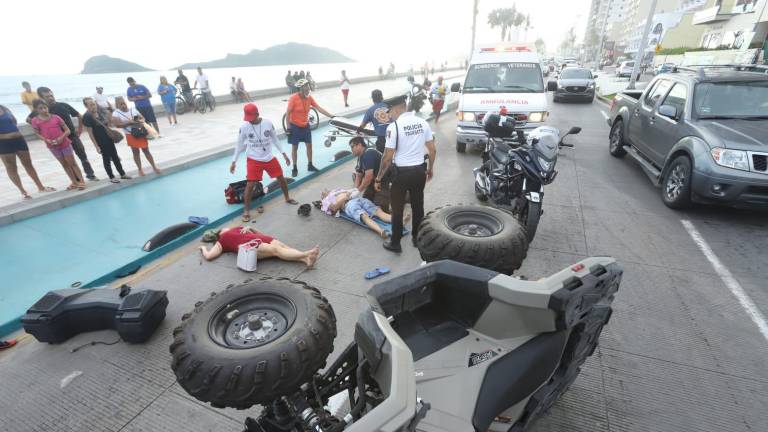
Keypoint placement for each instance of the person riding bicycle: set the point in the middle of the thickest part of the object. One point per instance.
(299, 130)
(205, 88)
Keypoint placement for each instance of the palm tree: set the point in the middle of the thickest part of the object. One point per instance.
(504, 18)
(518, 21)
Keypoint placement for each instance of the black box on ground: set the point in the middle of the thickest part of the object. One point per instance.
(61, 314)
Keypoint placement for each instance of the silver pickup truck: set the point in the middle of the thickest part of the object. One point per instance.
(701, 134)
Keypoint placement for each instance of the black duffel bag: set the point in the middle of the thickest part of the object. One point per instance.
(235, 192)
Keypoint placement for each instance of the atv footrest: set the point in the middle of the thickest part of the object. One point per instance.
(61, 314)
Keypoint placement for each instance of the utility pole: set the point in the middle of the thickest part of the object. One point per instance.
(640, 54)
(474, 27)
(599, 56)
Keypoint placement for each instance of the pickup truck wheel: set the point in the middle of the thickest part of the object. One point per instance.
(616, 140)
(676, 187)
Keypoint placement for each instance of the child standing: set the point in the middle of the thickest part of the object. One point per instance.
(54, 132)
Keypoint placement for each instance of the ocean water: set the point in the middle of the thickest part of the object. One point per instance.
(73, 88)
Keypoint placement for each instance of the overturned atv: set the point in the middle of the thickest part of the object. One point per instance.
(447, 347)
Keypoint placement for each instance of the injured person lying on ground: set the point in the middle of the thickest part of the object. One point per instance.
(358, 209)
(229, 239)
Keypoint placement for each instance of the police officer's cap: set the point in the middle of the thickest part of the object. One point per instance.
(395, 101)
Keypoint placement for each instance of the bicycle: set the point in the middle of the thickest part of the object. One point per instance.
(181, 104)
(202, 103)
(314, 119)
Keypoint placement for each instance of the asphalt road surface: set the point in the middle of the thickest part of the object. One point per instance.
(683, 352)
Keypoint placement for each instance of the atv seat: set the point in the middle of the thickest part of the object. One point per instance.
(433, 306)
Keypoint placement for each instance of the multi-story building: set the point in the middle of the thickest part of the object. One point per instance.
(604, 22)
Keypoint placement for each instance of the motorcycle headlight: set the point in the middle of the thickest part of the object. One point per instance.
(736, 159)
(466, 116)
(545, 164)
(537, 117)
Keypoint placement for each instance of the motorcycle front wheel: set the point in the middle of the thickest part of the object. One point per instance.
(529, 218)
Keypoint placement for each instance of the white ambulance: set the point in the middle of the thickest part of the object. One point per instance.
(506, 75)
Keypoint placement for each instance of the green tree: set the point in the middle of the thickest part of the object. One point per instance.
(541, 47)
(503, 18)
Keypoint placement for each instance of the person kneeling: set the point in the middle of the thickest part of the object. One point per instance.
(356, 207)
(230, 239)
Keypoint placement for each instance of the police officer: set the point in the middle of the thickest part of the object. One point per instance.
(407, 136)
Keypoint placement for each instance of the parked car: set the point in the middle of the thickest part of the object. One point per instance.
(574, 84)
(625, 69)
(664, 68)
(701, 134)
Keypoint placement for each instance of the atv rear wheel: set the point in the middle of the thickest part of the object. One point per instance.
(253, 343)
(482, 236)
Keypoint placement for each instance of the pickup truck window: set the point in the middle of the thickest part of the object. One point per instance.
(731, 99)
(504, 78)
(657, 92)
(676, 98)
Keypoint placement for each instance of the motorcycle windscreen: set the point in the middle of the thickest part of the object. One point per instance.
(546, 146)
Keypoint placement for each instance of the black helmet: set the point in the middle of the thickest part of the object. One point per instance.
(304, 210)
(499, 126)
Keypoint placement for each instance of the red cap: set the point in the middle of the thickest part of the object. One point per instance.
(251, 112)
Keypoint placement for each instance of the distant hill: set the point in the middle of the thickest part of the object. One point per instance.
(107, 64)
(285, 54)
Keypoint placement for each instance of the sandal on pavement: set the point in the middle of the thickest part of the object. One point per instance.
(246, 217)
(25, 196)
(379, 271)
(7, 344)
(292, 201)
(48, 189)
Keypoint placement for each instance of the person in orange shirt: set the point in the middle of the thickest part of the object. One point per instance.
(299, 129)
(28, 96)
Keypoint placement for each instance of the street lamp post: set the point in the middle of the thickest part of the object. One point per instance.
(641, 48)
(474, 27)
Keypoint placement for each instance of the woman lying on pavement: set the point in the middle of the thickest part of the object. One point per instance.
(229, 239)
(356, 207)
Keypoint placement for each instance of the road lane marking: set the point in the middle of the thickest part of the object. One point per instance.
(604, 114)
(746, 302)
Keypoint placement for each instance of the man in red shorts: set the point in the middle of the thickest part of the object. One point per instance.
(258, 136)
(437, 95)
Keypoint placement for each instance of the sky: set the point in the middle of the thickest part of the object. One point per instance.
(150, 32)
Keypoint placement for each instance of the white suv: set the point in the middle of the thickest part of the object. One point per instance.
(625, 69)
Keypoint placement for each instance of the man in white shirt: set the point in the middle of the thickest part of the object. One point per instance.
(258, 136)
(407, 137)
(205, 88)
(102, 101)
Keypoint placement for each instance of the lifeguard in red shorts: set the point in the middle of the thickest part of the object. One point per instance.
(257, 136)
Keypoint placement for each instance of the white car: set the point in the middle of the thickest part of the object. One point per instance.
(625, 69)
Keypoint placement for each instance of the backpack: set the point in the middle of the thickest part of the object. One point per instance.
(235, 192)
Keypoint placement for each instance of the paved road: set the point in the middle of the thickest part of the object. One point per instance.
(680, 354)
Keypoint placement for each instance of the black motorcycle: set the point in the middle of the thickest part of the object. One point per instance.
(514, 171)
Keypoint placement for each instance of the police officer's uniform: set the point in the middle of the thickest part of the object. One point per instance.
(407, 136)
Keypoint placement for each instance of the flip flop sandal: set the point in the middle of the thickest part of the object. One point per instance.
(379, 271)
(26, 197)
(7, 344)
(318, 204)
(246, 218)
(292, 201)
(199, 220)
(71, 187)
(48, 189)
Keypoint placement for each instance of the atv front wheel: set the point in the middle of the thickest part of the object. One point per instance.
(253, 343)
(481, 236)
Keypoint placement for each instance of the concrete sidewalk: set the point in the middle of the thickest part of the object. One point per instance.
(196, 135)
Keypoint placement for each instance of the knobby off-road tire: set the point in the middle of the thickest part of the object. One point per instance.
(589, 312)
(214, 366)
(481, 236)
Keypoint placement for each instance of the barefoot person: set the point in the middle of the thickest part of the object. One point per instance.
(128, 119)
(12, 146)
(229, 239)
(356, 207)
(258, 136)
(52, 130)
